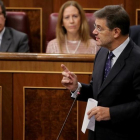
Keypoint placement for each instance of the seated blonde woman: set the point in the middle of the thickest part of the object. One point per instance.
(72, 32)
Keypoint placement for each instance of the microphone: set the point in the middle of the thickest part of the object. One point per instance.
(67, 116)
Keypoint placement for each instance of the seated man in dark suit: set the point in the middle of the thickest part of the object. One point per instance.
(11, 40)
(135, 33)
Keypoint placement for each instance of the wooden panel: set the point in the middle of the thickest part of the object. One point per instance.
(35, 70)
(131, 7)
(37, 73)
(34, 80)
(18, 3)
(87, 4)
(35, 21)
(45, 112)
(7, 107)
(0, 113)
(98, 3)
(137, 16)
(90, 10)
(46, 6)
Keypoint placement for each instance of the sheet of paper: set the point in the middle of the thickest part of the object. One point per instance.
(89, 123)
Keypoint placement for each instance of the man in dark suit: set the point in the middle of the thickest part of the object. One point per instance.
(11, 40)
(117, 90)
(135, 34)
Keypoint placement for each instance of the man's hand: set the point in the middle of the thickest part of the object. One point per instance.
(100, 113)
(69, 79)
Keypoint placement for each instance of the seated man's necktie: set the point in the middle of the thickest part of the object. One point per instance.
(108, 64)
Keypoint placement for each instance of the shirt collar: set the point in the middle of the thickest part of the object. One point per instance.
(1, 33)
(119, 49)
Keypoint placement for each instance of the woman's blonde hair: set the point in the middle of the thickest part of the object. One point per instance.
(84, 27)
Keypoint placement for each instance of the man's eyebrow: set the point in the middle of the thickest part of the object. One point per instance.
(98, 25)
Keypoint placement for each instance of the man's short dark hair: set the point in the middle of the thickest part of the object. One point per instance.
(3, 8)
(115, 16)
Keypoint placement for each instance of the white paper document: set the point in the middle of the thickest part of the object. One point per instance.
(89, 123)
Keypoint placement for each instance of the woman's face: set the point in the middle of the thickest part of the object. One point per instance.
(71, 20)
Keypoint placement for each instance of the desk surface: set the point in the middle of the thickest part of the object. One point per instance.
(45, 62)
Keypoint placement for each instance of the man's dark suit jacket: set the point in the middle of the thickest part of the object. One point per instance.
(14, 41)
(120, 92)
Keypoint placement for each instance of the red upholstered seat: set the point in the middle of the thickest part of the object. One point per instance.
(91, 19)
(20, 22)
(53, 21)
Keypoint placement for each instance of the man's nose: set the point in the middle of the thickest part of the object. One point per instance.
(95, 31)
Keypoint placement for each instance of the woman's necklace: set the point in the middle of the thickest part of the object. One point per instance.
(68, 48)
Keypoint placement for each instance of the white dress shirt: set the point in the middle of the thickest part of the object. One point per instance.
(1, 35)
(118, 51)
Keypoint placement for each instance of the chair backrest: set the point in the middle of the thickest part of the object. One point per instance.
(53, 21)
(134, 33)
(20, 22)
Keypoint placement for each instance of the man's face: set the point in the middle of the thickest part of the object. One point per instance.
(104, 36)
(2, 20)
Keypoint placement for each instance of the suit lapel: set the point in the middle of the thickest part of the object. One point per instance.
(113, 73)
(118, 66)
(99, 70)
(6, 41)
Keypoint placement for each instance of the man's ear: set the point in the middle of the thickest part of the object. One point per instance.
(117, 32)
